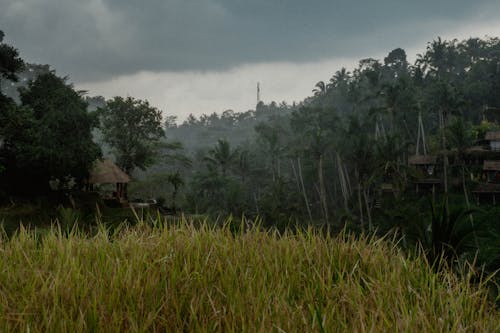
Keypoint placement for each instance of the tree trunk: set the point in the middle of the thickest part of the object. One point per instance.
(304, 189)
(343, 183)
(391, 115)
(361, 219)
(279, 168)
(174, 196)
(368, 211)
(256, 203)
(466, 194)
(322, 188)
(335, 187)
(445, 156)
(297, 182)
(273, 168)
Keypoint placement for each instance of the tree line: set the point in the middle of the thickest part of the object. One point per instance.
(324, 160)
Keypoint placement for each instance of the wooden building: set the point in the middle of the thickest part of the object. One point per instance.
(425, 168)
(492, 139)
(489, 192)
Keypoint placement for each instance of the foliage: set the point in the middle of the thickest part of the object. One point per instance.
(451, 233)
(48, 137)
(221, 156)
(133, 129)
(10, 62)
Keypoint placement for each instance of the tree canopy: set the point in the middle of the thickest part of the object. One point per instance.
(48, 136)
(133, 129)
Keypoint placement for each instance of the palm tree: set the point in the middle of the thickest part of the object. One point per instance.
(271, 136)
(244, 164)
(339, 79)
(320, 89)
(176, 181)
(451, 234)
(222, 156)
(460, 138)
(356, 150)
(316, 127)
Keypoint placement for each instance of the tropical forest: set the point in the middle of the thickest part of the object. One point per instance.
(371, 205)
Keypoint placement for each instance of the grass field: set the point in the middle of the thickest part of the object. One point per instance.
(182, 278)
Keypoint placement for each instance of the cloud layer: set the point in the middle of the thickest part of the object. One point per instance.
(97, 39)
(201, 56)
(182, 93)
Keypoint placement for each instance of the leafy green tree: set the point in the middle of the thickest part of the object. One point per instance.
(396, 59)
(10, 62)
(133, 130)
(49, 137)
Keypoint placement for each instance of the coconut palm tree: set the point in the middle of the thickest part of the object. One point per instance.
(320, 89)
(176, 181)
(221, 156)
(339, 79)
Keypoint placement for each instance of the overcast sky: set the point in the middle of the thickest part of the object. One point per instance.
(204, 56)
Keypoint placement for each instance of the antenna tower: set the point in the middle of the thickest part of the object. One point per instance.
(258, 92)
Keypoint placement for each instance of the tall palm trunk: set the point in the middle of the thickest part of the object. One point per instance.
(346, 193)
(306, 201)
(273, 168)
(445, 156)
(466, 195)
(391, 115)
(360, 202)
(368, 210)
(322, 188)
(174, 197)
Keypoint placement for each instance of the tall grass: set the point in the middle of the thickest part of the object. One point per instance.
(186, 278)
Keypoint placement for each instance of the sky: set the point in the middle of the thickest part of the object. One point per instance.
(204, 56)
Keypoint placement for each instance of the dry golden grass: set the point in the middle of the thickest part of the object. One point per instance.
(184, 278)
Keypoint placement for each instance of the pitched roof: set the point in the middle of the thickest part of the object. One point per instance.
(492, 136)
(106, 172)
(476, 149)
(491, 165)
(422, 159)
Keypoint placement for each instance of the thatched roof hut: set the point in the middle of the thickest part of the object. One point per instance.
(106, 172)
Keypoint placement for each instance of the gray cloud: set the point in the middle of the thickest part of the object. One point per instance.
(98, 39)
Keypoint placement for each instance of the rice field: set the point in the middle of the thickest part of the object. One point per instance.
(210, 279)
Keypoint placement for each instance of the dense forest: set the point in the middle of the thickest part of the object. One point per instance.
(387, 147)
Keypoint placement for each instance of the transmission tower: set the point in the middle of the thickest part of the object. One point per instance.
(258, 92)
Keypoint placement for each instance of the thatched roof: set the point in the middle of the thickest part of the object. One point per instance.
(492, 136)
(491, 165)
(106, 172)
(422, 159)
(487, 188)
